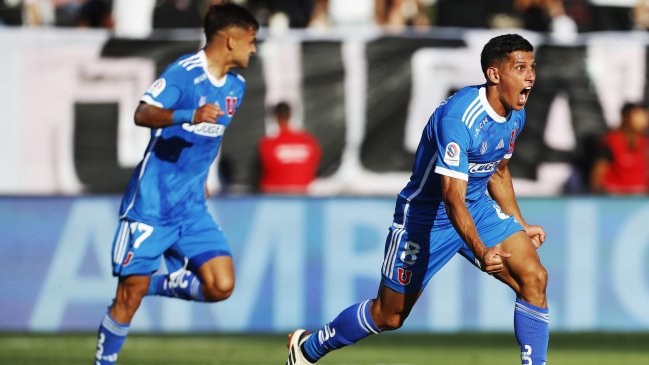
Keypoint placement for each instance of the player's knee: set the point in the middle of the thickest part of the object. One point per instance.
(218, 290)
(534, 283)
(391, 322)
(538, 279)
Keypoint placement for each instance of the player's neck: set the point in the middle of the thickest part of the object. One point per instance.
(217, 66)
(493, 98)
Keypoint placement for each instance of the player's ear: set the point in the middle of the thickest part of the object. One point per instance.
(492, 75)
(230, 41)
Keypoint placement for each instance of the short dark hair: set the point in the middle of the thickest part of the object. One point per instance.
(226, 15)
(500, 47)
(629, 106)
(282, 110)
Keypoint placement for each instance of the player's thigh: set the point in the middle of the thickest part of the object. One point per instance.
(138, 247)
(202, 241)
(493, 227)
(414, 254)
(523, 267)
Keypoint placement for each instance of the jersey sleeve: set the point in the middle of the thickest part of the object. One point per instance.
(453, 142)
(167, 90)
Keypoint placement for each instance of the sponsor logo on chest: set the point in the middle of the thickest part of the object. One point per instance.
(205, 129)
(479, 168)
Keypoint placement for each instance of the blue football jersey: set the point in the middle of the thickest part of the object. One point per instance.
(169, 183)
(464, 139)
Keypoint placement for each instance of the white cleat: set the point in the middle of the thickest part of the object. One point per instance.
(295, 339)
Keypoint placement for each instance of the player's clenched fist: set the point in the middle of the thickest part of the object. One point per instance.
(207, 114)
(492, 260)
(537, 234)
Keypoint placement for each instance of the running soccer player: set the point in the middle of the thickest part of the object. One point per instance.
(163, 211)
(459, 199)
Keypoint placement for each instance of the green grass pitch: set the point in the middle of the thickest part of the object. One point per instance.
(393, 348)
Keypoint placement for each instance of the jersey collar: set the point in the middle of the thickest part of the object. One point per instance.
(482, 94)
(216, 82)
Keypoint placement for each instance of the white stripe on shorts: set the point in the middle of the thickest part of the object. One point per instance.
(390, 252)
(122, 242)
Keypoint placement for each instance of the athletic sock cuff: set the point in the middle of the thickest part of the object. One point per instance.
(365, 319)
(114, 327)
(196, 290)
(532, 311)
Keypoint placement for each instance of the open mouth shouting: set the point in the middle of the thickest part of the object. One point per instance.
(524, 94)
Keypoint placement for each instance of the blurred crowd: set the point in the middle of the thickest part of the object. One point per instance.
(138, 18)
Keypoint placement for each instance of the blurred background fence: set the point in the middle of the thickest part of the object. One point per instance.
(68, 99)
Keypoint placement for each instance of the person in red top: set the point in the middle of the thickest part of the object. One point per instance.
(622, 166)
(289, 160)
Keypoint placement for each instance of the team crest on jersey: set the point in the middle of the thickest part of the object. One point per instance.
(157, 87)
(483, 148)
(128, 258)
(404, 276)
(230, 105)
(512, 138)
(452, 154)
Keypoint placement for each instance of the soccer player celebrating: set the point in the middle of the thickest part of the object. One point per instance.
(445, 209)
(163, 212)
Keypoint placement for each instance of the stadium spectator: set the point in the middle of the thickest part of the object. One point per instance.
(464, 152)
(555, 16)
(133, 19)
(188, 109)
(177, 14)
(66, 12)
(11, 12)
(30, 12)
(399, 13)
(289, 160)
(612, 15)
(96, 14)
(641, 15)
(622, 164)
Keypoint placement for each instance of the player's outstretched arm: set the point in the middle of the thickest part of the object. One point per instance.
(454, 194)
(151, 116)
(501, 189)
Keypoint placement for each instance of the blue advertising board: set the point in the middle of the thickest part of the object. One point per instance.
(300, 261)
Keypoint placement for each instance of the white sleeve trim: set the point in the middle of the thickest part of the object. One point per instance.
(508, 156)
(448, 172)
(149, 100)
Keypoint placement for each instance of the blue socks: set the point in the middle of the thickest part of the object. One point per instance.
(181, 284)
(110, 339)
(352, 325)
(532, 333)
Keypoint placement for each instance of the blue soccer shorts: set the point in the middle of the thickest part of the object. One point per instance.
(138, 247)
(415, 252)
